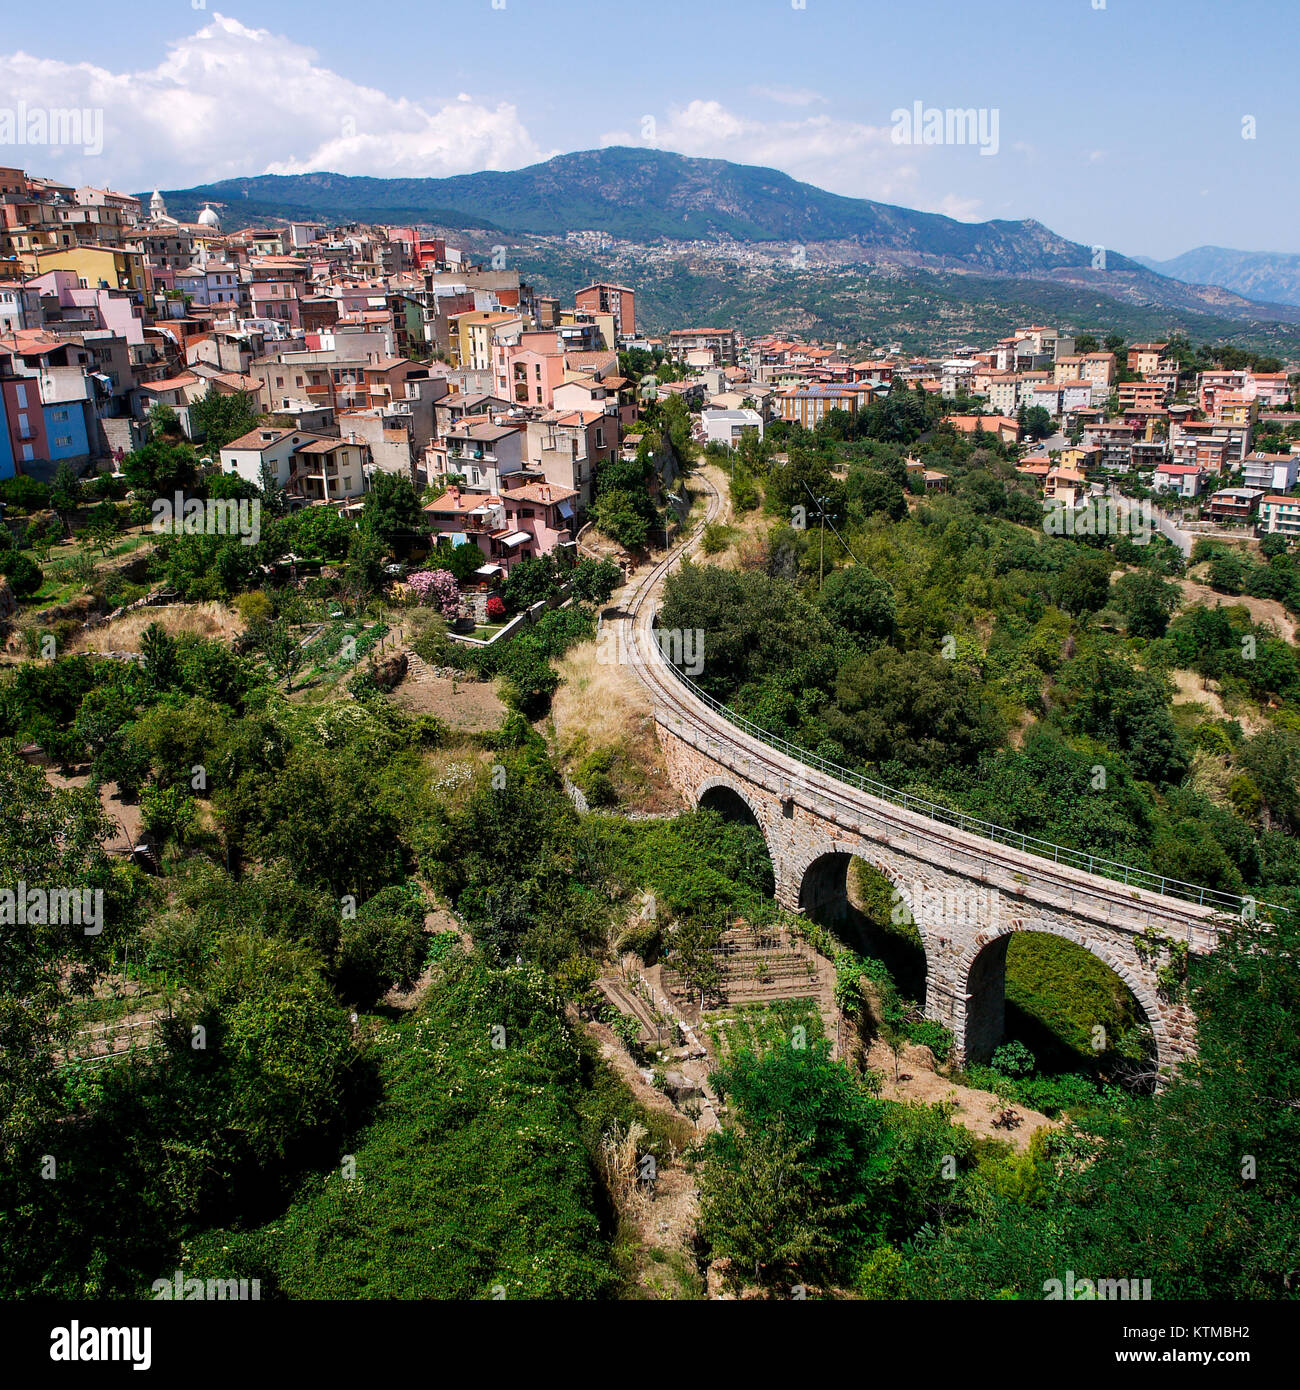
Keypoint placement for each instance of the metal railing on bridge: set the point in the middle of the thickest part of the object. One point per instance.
(1234, 904)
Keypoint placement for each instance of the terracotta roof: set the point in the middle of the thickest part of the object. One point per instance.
(171, 383)
(259, 439)
(591, 359)
(324, 446)
(579, 417)
(465, 502)
(533, 492)
(484, 432)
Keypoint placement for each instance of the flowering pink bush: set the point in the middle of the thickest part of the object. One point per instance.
(438, 587)
(496, 609)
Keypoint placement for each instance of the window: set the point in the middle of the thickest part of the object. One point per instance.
(63, 441)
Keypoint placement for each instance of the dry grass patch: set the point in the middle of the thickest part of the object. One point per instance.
(1192, 692)
(603, 707)
(213, 620)
(1262, 610)
(601, 703)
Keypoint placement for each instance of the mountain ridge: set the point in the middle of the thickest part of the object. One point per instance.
(1262, 276)
(683, 206)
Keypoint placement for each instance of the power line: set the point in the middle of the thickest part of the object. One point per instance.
(819, 501)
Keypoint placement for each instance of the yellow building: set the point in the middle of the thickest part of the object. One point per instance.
(98, 267)
(475, 332)
(603, 321)
(1075, 459)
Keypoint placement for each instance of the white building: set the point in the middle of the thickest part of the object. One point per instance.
(1272, 472)
(730, 426)
(1186, 479)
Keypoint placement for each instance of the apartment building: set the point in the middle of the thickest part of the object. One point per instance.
(1141, 395)
(1279, 516)
(1234, 503)
(616, 300)
(1272, 472)
(1145, 357)
(1185, 479)
(722, 345)
(485, 454)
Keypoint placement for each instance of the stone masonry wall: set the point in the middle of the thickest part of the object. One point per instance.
(964, 903)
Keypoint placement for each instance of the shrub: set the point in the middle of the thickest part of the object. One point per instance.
(25, 575)
(717, 536)
(595, 580)
(600, 791)
(437, 587)
(496, 609)
(28, 494)
(382, 946)
(1013, 1059)
(935, 1036)
(168, 812)
(254, 607)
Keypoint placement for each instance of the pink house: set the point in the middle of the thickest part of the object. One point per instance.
(278, 300)
(528, 520)
(544, 512)
(527, 372)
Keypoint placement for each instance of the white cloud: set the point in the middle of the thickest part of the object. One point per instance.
(229, 100)
(955, 206)
(843, 156)
(789, 96)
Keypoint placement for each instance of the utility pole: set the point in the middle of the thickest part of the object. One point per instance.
(822, 503)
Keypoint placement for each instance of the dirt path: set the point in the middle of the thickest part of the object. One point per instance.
(664, 1218)
(1262, 610)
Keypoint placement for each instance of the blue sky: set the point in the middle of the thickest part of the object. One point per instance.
(1118, 126)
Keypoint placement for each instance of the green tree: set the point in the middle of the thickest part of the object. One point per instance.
(392, 510)
(626, 517)
(159, 650)
(65, 494)
(1146, 601)
(160, 469)
(860, 603)
(381, 946)
(24, 574)
(912, 707)
(222, 416)
(1083, 586)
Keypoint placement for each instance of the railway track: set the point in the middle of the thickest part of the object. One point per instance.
(1102, 889)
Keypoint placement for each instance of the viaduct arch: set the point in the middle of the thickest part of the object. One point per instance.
(966, 893)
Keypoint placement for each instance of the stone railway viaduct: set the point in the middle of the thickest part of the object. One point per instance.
(966, 893)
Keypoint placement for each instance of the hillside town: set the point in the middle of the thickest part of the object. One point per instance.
(685, 697)
(362, 350)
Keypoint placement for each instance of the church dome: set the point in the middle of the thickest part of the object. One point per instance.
(208, 218)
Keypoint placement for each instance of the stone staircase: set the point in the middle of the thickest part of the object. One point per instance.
(417, 668)
(761, 966)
